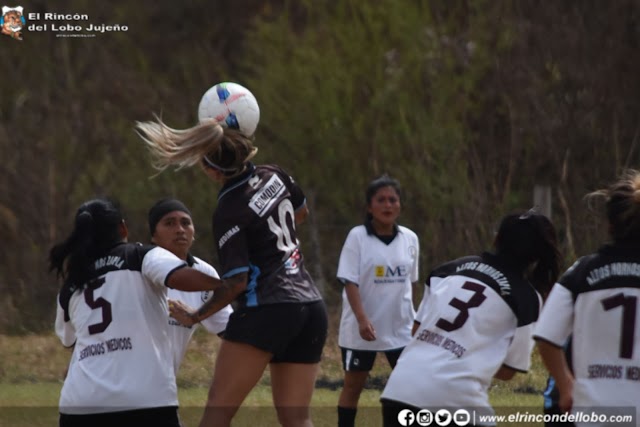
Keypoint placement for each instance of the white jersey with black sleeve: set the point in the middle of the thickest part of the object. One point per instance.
(179, 334)
(384, 273)
(596, 301)
(474, 321)
(122, 358)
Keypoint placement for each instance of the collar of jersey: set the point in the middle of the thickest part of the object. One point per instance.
(371, 231)
(237, 181)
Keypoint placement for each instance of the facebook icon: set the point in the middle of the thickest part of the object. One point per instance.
(406, 417)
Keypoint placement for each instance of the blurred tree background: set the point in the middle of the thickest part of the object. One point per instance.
(470, 104)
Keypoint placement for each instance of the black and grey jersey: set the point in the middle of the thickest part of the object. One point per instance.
(596, 303)
(255, 232)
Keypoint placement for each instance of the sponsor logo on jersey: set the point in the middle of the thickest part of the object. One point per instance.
(226, 236)
(388, 274)
(267, 196)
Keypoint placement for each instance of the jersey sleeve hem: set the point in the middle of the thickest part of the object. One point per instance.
(345, 281)
(70, 345)
(166, 279)
(522, 371)
(543, 339)
(234, 272)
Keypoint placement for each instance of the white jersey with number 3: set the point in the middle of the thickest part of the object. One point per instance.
(473, 322)
(122, 357)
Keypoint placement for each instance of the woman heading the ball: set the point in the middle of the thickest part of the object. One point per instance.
(280, 319)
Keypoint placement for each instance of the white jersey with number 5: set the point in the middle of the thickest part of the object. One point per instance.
(474, 321)
(122, 357)
(596, 301)
(181, 335)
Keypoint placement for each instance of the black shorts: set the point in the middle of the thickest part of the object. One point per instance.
(166, 416)
(362, 360)
(293, 332)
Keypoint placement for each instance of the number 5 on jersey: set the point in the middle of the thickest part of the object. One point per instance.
(99, 303)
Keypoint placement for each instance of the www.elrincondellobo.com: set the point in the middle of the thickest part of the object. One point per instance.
(575, 417)
(470, 417)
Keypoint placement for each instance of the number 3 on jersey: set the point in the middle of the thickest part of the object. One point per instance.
(282, 229)
(464, 306)
(99, 303)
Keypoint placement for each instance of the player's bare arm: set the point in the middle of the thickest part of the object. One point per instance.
(367, 331)
(556, 362)
(505, 373)
(192, 280)
(226, 293)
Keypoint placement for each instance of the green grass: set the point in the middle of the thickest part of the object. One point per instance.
(32, 370)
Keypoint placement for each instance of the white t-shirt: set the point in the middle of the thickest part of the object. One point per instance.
(384, 274)
(122, 357)
(596, 302)
(474, 321)
(179, 334)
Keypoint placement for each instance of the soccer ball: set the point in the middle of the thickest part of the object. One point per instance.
(231, 105)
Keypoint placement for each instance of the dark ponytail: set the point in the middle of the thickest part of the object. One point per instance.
(94, 232)
(527, 239)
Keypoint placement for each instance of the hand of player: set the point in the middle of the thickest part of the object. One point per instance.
(367, 331)
(182, 312)
(565, 400)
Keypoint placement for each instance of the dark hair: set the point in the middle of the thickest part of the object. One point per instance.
(378, 183)
(95, 231)
(163, 207)
(623, 206)
(528, 238)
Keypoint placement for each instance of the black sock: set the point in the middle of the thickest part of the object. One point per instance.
(346, 416)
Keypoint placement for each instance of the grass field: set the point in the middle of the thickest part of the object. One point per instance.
(32, 367)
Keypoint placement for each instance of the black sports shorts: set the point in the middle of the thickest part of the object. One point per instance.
(166, 416)
(293, 332)
(362, 360)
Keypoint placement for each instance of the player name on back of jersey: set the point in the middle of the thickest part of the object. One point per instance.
(615, 269)
(497, 276)
(267, 195)
(614, 372)
(108, 261)
(104, 347)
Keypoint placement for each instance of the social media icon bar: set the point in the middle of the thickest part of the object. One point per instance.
(442, 417)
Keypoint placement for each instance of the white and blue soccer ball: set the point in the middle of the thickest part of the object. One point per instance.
(231, 105)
